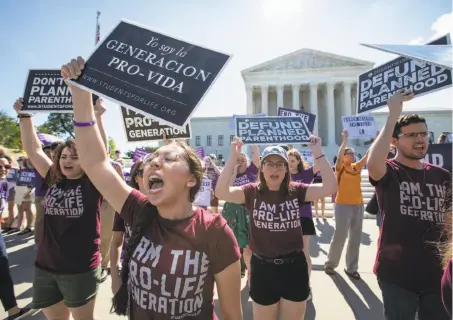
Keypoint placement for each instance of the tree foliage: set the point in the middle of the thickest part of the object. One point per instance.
(9, 132)
(112, 146)
(58, 124)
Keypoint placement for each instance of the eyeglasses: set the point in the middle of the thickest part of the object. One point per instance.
(414, 135)
(139, 173)
(167, 157)
(273, 165)
(6, 167)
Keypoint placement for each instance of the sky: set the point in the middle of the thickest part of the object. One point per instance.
(47, 34)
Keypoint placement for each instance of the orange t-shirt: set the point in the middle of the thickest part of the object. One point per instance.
(349, 189)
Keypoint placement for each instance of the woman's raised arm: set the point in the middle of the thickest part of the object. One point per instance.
(30, 141)
(90, 146)
(223, 190)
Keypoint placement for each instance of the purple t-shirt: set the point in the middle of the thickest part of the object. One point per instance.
(306, 177)
(40, 184)
(250, 175)
(71, 232)
(411, 204)
(26, 178)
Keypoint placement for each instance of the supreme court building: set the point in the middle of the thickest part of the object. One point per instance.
(321, 83)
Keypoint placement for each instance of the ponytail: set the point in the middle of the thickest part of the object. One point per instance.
(120, 301)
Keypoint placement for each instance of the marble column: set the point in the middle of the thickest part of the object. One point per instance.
(314, 105)
(296, 103)
(250, 109)
(346, 99)
(330, 86)
(280, 102)
(264, 100)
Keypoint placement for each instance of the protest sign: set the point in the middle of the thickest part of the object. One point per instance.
(359, 126)
(307, 155)
(272, 130)
(309, 118)
(440, 155)
(45, 90)
(141, 128)
(139, 153)
(437, 55)
(376, 86)
(47, 139)
(152, 73)
(232, 124)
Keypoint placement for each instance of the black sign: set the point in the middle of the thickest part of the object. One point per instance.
(141, 128)
(46, 90)
(440, 155)
(376, 86)
(309, 118)
(154, 74)
(272, 130)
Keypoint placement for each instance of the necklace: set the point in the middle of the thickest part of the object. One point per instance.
(422, 187)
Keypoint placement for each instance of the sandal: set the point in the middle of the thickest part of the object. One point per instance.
(355, 275)
(330, 271)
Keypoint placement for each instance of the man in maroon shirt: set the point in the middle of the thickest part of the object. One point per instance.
(410, 194)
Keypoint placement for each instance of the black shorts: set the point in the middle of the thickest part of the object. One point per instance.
(271, 282)
(308, 226)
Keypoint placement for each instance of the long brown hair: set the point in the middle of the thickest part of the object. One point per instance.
(447, 246)
(56, 175)
(302, 163)
(134, 170)
(142, 224)
(285, 186)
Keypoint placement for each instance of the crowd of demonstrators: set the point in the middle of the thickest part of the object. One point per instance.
(279, 282)
(163, 226)
(348, 211)
(7, 295)
(410, 193)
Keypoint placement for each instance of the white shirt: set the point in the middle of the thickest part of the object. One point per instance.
(203, 197)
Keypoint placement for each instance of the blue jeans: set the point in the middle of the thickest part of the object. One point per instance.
(402, 304)
(378, 219)
(7, 296)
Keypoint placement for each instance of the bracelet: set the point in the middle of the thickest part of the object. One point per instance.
(323, 155)
(84, 124)
(24, 115)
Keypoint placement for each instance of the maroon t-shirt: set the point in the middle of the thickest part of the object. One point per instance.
(446, 288)
(172, 270)
(120, 226)
(71, 231)
(411, 202)
(275, 228)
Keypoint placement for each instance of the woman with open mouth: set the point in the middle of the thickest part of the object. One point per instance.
(67, 267)
(279, 284)
(176, 252)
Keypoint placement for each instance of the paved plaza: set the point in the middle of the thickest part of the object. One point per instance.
(335, 297)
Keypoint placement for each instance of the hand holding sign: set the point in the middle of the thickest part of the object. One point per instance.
(395, 103)
(73, 70)
(315, 145)
(344, 135)
(236, 147)
(18, 104)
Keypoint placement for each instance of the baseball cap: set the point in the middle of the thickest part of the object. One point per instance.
(274, 151)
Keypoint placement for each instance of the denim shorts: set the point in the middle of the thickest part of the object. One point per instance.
(75, 290)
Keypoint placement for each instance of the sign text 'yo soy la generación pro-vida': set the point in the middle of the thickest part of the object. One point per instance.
(152, 73)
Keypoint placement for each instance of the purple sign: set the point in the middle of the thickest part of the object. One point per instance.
(47, 139)
(139, 153)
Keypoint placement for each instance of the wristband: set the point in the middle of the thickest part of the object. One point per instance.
(84, 124)
(24, 115)
(323, 155)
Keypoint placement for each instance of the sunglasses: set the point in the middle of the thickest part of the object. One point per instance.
(6, 167)
(139, 173)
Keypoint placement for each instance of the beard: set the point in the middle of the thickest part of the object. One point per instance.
(412, 156)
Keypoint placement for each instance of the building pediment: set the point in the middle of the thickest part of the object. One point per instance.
(307, 59)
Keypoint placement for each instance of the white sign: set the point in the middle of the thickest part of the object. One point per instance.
(307, 155)
(359, 126)
(438, 55)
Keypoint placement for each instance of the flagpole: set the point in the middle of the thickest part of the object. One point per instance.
(98, 28)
